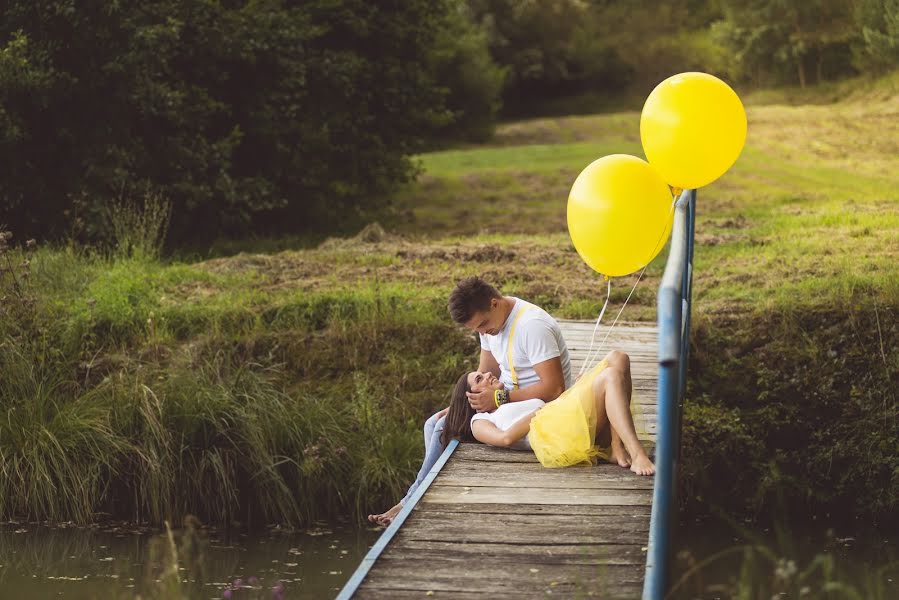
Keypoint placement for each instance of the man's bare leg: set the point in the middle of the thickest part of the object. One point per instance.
(612, 391)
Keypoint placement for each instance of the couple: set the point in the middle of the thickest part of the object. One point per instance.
(515, 398)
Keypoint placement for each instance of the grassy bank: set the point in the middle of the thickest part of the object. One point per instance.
(291, 385)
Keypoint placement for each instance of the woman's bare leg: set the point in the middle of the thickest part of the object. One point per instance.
(612, 391)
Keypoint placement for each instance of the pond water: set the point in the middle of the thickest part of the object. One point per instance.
(124, 562)
(714, 557)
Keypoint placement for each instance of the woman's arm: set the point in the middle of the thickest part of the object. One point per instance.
(486, 432)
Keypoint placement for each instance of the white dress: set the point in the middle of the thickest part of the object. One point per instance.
(510, 413)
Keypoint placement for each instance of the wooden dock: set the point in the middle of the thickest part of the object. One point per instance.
(493, 523)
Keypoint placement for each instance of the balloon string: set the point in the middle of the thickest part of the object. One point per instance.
(590, 353)
(595, 327)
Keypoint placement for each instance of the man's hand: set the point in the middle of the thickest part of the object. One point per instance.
(482, 401)
(442, 413)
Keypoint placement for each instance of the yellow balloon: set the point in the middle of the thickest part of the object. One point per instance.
(619, 214)
(693, 128)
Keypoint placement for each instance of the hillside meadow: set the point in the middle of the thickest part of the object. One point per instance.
(290, 385)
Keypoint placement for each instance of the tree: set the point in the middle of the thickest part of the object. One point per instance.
(877, 48)
(550, 48)
(473, 82)
(268, 115)
(769, 38)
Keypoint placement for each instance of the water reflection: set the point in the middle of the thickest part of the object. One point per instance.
(39, 561)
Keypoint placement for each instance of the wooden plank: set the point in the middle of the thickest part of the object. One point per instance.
(522, 529)
(513, 528)
(493, 473)
(533, 495)
(561, 554)
(516, 481)
(481, 453)
(496, 577)
(582, 512)
(624, 592)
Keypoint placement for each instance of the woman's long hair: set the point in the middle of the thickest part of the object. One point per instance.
(458, 419)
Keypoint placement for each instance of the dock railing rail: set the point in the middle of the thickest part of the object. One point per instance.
(674, 343)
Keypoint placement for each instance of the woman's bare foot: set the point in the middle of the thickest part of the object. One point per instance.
(643, 466)
(386, 518)
(619, 455)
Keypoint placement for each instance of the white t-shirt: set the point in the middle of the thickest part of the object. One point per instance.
(537, 338)
(508, 414)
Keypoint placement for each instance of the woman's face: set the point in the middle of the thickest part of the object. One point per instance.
(478, 382)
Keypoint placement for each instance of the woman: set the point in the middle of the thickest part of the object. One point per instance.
(561, 433)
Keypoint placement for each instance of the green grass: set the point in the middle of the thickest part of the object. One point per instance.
(535, 158)
(290, 384)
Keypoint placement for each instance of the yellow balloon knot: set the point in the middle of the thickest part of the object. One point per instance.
(677, 191)
(605, 277)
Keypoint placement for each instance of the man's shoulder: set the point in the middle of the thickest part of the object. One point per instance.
(537, 319)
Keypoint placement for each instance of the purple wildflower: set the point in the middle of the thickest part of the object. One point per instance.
(238, 583)
(227, 594)
(278, 591)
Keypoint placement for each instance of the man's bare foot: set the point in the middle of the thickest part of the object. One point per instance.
(386, 518)
(643, 466)
(619, 455)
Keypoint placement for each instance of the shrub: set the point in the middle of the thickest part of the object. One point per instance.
(273, 116)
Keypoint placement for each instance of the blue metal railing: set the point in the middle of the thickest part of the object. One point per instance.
(369, 560)
(674, 338)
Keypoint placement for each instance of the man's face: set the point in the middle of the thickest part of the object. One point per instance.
(487, 321)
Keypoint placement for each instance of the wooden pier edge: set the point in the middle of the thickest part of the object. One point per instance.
(372, 556)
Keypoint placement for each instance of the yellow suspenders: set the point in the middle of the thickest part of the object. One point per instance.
(511, 339)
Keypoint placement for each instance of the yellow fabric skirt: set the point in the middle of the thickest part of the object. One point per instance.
(563, 433)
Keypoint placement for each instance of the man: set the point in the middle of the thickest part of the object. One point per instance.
(520, 343)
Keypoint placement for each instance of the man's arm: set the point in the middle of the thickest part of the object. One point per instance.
(550, 386)
(488, 363)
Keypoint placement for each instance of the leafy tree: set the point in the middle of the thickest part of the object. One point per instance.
(771, 38)
(268, 115)
(473, 82)
(550, 49)
(877, 48)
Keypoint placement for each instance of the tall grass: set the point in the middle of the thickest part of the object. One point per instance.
(305, 410)
(137, 224)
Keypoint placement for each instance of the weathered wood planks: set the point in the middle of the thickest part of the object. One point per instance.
(496, 524)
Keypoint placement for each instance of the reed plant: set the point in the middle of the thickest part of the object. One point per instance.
(308, 407)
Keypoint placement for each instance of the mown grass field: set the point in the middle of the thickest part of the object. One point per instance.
(291, 385)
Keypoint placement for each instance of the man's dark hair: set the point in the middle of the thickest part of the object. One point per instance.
(471, 295)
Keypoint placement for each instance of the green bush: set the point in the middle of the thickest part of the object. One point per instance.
(795, 406)
(265, 116)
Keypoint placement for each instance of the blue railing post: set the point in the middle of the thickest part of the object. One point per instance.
(674, 334)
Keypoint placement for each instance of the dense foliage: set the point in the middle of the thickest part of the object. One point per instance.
(270, 116)
(556, 50)
(794, 412)
(274, 116)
